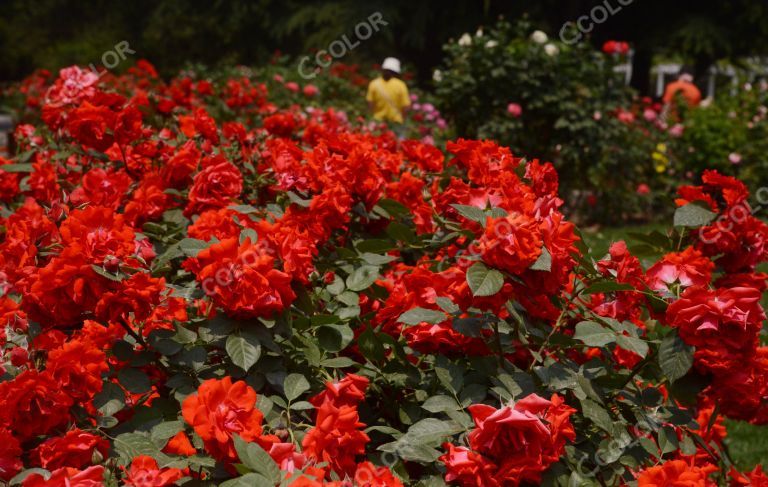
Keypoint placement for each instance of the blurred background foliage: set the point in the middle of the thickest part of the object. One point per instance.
(171, 33)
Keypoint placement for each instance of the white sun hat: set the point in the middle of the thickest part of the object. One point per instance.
(391, 64)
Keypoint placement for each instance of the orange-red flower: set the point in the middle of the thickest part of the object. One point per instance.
(511, 243)
(75, 449)
(242, 279)
(221, 409)
(145, 472)
(677, 473)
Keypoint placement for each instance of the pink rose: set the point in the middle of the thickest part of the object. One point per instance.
(514, 109)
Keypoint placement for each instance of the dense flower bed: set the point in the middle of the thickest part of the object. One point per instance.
(280, 297)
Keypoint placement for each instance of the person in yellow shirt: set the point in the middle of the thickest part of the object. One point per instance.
(388, 96)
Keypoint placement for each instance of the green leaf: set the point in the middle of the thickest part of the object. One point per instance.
(244, 350)
(334, 338)
(110, 400)
(377, 259)
(668, 441)
(447, 305)
(400, 232)
(362, 278)
(484, 281)
(131, 445)
(544, 262)
(430, 432)
(675, 357)
(248, 234)
(338, 362)
(392, 207)
(419, 315)
(248, 480)
(440, 403)
(471, 213)
(693, 215)
(105, 273)
(633, 344)
(294, 386)
(166, 430)
(134, 380)
(24, 167)
(19, 478)
(298, 199)
(302, 405)
(608, 287)
(192, 246)
(245, 209)
(374, 245)
(597, 414)
(594, 334)
(370, 346)
(255, 458)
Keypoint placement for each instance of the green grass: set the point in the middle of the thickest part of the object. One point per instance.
(747, 444)
(598, 240)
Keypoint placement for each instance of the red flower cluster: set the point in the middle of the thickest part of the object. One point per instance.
(512, 445)
(616, 47)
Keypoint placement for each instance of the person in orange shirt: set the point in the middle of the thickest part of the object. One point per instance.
(683, 86)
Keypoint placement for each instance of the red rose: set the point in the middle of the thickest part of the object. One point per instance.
(467, 468)
(688, 268)
(33, 404)
(145, 472)
(77, 367)
(177, 172)
(369, 475)
(214, 187)
(92, 126)
(280, 124)
(9, 182)
(74, 449)
(722, 324)
(10, 456)
(755, 478)
(511, 243)
(240, 279)
(677, 473)
(134, 299)
(520, 441)
(349, 391)
(221, 409)
(336, 438)
(68, 477)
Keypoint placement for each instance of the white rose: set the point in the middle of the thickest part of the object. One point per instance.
(465, 40)
(490, 44)
(479, 32)
(551, 49)
(437, 76)
(539, 37)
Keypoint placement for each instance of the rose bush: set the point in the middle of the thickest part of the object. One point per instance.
(618, 157)
(282, 297)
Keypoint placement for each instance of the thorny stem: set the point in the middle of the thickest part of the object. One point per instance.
(557, 326)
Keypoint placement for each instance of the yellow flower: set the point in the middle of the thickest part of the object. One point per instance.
(659, 157)
(660, 168)
(661, 148)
